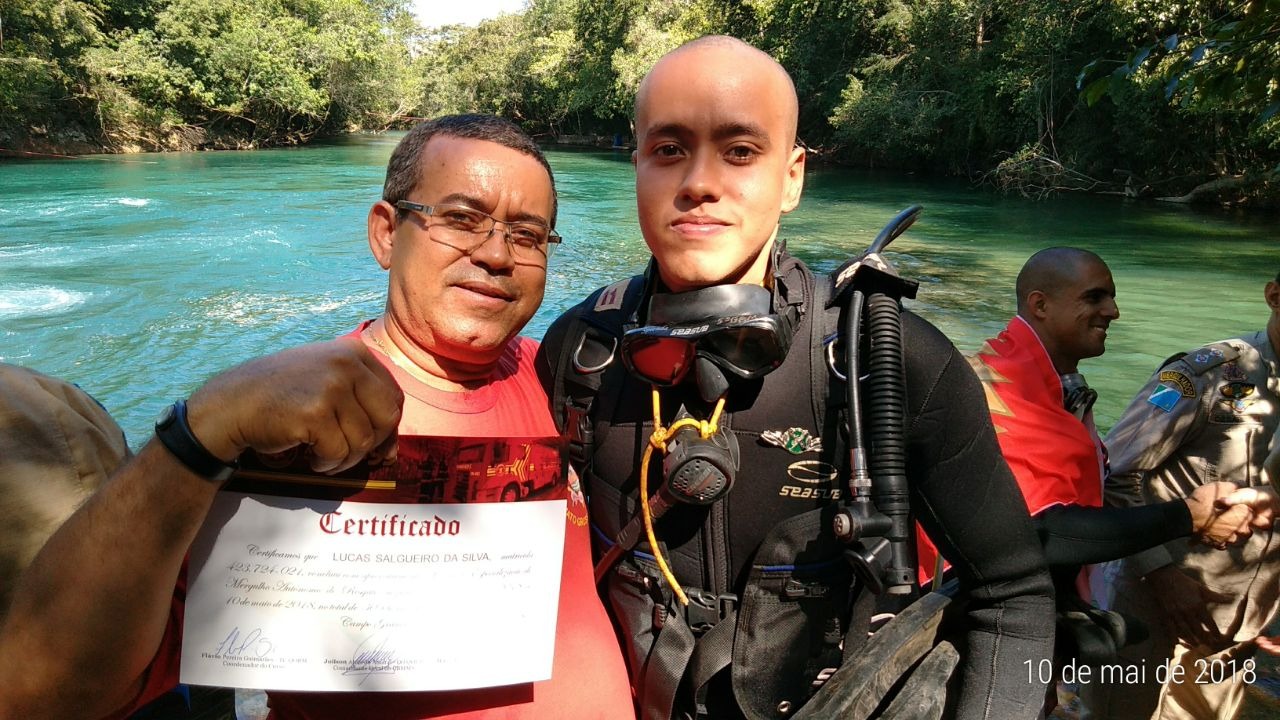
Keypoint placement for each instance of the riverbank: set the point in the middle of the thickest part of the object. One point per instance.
(1259, 192)
(73, 141)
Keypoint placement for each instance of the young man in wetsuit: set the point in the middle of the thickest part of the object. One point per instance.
(464, 228)
(716, 166)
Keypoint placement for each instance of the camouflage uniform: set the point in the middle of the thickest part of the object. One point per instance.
(1209, 415)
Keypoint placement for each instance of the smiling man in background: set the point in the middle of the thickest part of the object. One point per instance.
(1042, 410)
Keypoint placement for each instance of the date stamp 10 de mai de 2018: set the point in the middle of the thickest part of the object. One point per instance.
(1201, 672)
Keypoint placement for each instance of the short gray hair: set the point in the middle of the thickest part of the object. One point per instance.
(404, 167)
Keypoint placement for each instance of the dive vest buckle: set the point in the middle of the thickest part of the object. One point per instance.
(579, 434)
(705, 610)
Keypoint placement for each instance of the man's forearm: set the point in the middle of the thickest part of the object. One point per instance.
(1075, 535)
(89, 613)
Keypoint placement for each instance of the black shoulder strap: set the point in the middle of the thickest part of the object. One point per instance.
(824, 327)
(589, 348)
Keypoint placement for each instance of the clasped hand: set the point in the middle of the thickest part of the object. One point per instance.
(1224, 514)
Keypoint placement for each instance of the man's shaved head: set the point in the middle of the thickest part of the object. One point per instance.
(716, 162)
(713, 52)
(1068, 297)
(1051, 271)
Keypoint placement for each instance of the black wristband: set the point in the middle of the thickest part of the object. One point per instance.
(175, 434)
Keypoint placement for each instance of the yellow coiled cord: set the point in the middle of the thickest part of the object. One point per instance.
(659, 439)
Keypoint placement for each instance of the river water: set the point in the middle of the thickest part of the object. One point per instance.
(139, 276)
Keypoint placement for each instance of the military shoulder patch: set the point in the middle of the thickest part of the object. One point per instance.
(1236, 390)
(1231, 372)
(611, 297)
(1209, 357)
(1165, 397)
(1175, 379)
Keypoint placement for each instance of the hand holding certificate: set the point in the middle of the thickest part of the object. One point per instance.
(323, 589)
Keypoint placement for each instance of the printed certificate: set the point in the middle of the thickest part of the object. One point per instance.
(419, 576)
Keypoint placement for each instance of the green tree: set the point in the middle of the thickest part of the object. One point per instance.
(42, 80)
(182, 73)
(1215, 66)
(819, 43)
(657, 29)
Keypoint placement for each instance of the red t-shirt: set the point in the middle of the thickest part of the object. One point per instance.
(588, 677)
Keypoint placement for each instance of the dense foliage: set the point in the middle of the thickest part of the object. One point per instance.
(1139, 96)
(156, 74)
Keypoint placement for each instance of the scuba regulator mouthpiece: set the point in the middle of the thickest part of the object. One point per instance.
(695, 471)
(700, 471)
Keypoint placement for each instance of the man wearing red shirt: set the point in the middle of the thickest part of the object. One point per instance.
(1042, 410)
(464, 228)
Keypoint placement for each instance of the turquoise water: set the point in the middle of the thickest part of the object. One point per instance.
(139, 276)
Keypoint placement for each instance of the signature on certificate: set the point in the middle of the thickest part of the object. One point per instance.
(251, 644)
(372, 657)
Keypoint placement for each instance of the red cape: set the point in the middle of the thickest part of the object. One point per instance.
(1055, 457)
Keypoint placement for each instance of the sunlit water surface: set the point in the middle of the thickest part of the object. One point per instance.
(139, 276)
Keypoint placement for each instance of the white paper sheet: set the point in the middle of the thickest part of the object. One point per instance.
(316, 595)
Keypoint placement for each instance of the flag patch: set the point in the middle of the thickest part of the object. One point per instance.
(1165, 397)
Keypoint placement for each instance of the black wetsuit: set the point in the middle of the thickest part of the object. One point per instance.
(961, 492)
(1074, 536)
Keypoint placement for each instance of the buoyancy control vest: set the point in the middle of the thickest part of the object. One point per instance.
(737, 584)
(774, 605)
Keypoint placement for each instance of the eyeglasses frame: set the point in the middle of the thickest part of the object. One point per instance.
(553, 237)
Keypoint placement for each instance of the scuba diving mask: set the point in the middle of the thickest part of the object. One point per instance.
(724, 328)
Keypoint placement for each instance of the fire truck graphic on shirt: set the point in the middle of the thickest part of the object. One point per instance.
(426, 470)
(494, 472)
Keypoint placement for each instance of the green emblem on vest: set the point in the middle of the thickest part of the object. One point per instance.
(793, 440)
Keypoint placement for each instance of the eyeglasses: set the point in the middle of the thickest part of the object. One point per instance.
(465, 229)
(748, 347)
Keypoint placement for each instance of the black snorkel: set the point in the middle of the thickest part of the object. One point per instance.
(875, 521)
